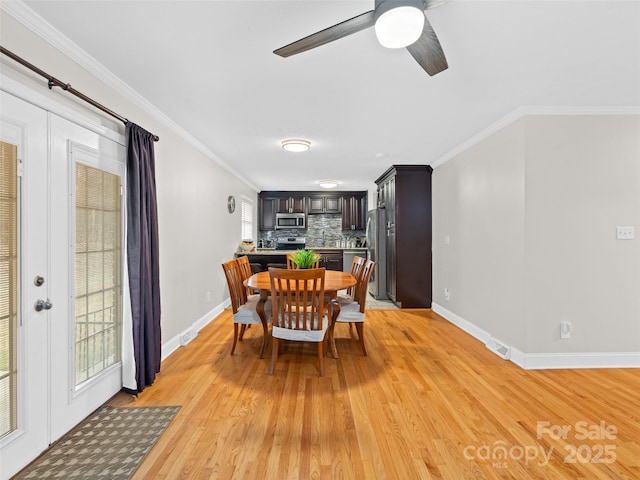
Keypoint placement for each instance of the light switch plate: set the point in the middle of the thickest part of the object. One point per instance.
(625, 233)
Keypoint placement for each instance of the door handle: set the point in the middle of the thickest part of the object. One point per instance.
(43, 305)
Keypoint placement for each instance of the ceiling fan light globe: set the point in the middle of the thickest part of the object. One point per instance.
(399, 27)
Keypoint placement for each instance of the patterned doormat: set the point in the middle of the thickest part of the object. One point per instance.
(109, 445)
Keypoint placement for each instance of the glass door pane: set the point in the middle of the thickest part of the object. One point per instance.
(97, 271)
(8, 288)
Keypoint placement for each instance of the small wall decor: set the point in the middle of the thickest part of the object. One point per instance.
(231, 204)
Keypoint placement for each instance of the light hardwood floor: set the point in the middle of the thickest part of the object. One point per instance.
(428, 402)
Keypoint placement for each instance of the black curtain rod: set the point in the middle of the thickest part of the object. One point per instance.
(54, 82)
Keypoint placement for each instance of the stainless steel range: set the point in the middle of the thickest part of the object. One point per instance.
(290, 243)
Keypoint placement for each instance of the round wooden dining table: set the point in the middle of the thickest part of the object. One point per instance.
(334, 281)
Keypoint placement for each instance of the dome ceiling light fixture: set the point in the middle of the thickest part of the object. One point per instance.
(296, 145)
(398, 23)
(328, 183)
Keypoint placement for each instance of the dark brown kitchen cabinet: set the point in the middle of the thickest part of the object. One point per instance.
(354, 212)
(351, 204)
(330, 259)
(324, 204)
(271, 203)
(291, 204)
(267, 213)
(333, 205)
(404, 203)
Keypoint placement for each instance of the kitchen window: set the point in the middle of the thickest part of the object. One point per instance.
(246, 212)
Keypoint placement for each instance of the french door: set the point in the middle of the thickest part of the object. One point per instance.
(60, 277)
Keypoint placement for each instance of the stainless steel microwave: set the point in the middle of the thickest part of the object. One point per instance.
(290, 220)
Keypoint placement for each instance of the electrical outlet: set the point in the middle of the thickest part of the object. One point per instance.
(447, 294)
(207, 296)
(565, 329)
(447, 240)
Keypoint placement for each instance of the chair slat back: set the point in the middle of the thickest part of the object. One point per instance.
(290, 264)
(297, 298)
(356, 270)
(245, 270)
(362, 286)
(237, 291)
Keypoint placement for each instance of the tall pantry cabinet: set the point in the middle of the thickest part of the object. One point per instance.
(404, 214)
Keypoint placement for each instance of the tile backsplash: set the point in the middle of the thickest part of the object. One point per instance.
(322, 231)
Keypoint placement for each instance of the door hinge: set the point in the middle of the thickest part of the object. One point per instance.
(121, 190)
(20, 168)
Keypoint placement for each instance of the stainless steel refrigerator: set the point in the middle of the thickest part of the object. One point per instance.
(376, 251)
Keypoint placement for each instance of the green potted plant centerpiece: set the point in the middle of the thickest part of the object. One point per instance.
(305, 258)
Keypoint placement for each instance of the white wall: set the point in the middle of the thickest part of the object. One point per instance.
(196, 232)
(582, 180)
(478, 201)
(531, 212)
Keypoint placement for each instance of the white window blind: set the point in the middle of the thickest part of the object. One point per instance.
(247, 219)
(97, 279)
(8, 288)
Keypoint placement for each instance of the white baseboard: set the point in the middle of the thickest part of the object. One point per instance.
(171, 345)
(546, 361)
(461, 323)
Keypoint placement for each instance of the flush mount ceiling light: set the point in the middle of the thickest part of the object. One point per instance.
(399, 23)
(328, 183)
(296, 145)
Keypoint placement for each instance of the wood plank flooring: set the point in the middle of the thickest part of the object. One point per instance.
(429, 402)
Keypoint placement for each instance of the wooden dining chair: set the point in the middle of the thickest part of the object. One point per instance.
(243, 305)
(356, 271)
(354, 312)
(245, 269)
(298, 310)
(292, 266)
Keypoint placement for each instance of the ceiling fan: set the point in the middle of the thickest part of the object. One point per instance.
(398, 23)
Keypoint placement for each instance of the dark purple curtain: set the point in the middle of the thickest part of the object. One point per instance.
(142, 254)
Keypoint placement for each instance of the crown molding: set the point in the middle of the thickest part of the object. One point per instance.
(520, 112)
(29, 95)
(38, 25)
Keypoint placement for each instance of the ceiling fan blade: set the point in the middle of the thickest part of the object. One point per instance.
(428, 52)
(429, 4)
(327, 35)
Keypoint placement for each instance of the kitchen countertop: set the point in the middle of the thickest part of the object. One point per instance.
(273, 251)
(336, 248)
(266, 251)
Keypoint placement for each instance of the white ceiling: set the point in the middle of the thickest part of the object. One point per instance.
(209, 66)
